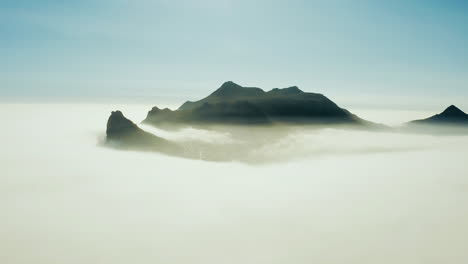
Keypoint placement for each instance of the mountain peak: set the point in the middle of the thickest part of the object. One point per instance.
(230, 84)
(452, 115)
(117, 114)
(118, 123)
(229, 89)
(453, 111)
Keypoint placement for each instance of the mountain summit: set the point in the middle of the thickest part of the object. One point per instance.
(452, 116)
(123, 133)
(453, 111)
(232, 103)
(118, 125)
(233, 89)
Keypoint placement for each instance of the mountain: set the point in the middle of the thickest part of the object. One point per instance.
(118, 126)
(235, 104)
(123, 133)
(450, 116)
(237, 112)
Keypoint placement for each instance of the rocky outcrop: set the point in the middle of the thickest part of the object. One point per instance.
(123, 133)
(450, 116)
(119, 126)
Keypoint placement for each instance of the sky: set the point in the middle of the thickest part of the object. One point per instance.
(362, 49)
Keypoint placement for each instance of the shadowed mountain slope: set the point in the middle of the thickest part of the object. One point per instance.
(234, 104)
(249, 144)
(450, 116)
(123, 133)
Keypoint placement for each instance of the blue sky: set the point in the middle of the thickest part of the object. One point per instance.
(358, 48)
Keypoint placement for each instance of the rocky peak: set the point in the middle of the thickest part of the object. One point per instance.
(453, 111)
(118, 124)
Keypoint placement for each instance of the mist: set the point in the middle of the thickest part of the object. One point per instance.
(287, 195)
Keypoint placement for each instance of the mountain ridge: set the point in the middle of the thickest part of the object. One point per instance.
(233, 103)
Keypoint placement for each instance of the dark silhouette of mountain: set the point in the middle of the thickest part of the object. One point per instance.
(234, 104)
(123, 133)
(450, 116)
(238, 112)
(119, 126)
(229, 89)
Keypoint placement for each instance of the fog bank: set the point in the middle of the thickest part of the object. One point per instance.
(337, 196)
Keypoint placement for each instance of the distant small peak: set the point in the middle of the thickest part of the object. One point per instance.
(453, 111)
(156, 110)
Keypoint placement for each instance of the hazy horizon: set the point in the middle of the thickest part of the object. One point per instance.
(336, 196)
